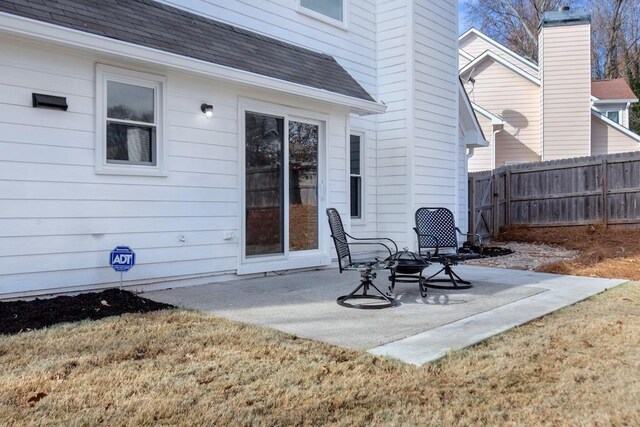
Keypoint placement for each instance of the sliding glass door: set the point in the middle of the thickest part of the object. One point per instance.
(281, 185)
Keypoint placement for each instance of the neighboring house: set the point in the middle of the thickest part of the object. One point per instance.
(548, 111)
(210, 136)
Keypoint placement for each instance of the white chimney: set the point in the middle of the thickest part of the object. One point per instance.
(564, 56)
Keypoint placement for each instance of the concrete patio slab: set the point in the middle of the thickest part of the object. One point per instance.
(417, 331)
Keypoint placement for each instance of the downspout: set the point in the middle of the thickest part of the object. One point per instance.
(496, 128)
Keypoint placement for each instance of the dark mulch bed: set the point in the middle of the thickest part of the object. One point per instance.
(486, 252)
(18, 316)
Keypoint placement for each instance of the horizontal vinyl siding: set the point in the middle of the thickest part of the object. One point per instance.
(435, 142)
(566, 91)
(516, 100)
(60, 219)
(393, 75)
(608, 140)
(354, 49)
(462, 220)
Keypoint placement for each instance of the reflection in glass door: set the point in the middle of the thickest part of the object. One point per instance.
(274, 170)
(303, 186)
(264, 189)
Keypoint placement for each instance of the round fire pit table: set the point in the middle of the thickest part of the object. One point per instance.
(406, 267)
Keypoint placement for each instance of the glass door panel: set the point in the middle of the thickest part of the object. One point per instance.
(264, 184)
(303, 186)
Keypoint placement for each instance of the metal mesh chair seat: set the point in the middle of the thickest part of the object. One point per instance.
(342, 242)
(438, 242)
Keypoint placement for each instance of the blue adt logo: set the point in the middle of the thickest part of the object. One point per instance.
(122, 258)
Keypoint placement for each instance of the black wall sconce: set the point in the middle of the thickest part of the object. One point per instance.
(207, 109)
(41, 100)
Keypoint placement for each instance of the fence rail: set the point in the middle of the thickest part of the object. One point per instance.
(570, 192)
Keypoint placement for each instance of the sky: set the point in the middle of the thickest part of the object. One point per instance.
(462, 25)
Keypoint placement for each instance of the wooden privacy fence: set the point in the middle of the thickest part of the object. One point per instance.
(588, 190)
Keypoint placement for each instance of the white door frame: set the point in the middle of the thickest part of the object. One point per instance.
(289, 259)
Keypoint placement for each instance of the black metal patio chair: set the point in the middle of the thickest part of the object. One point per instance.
(367, 268)
(438, 242)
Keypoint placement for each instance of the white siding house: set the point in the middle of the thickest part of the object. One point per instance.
(186, 193)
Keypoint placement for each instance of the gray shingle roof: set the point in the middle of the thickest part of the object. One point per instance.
(158, 26)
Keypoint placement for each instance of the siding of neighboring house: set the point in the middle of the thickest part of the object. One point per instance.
(515, 99)
(60, 219)
(482, 158)
(566, 90)
(606, 139)
(476, 46)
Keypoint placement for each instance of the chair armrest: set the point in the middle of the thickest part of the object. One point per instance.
(479, 237)
(374, 241)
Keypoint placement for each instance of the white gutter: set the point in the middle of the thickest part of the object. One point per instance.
(43, 31)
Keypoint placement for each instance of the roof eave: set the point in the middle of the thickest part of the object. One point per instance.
(615, 125)
(598, 101)
(43, 31)
(487, 54)
(499, 46)
(476, 138)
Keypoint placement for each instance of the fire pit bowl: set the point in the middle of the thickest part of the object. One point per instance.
(406, 267)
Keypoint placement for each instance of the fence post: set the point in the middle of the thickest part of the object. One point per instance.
(472, 208)
(496, 205)
(605, 195)
(507, 196)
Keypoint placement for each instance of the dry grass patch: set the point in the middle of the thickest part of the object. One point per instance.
(576, 367)
(608, 253)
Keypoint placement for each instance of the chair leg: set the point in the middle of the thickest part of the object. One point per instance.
(454, 279)
(458, 278)
(365, 283)
(422, 284)
(392, 278)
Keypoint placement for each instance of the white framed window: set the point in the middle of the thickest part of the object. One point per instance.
(331, 11)
(356, 172)
(614, 115)
(130, 125)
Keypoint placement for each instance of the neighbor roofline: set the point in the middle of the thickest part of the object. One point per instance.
(495, 120)
(466, 55)
(488, 54)
(43, 31)
(615, 125)
(499, 46)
